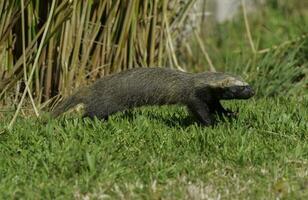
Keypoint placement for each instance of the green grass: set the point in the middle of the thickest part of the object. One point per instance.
(155, 153)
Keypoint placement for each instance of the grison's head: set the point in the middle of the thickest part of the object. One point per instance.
(227, 86)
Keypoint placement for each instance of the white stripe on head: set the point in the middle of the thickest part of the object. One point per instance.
(239, 83)
(229, 82)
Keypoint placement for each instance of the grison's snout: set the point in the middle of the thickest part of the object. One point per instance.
(247, 92)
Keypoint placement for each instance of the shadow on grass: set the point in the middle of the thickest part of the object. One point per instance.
(171, 120)
(174, 120)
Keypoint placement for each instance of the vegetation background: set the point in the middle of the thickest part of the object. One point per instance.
(49, 49)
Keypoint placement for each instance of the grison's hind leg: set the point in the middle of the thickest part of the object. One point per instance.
(91, 112)
(202, 112)
(103, 111)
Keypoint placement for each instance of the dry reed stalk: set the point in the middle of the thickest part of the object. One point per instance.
(253, 48)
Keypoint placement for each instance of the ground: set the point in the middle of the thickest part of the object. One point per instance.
(160, 153)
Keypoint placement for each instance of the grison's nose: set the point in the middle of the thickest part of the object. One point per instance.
(248, 91)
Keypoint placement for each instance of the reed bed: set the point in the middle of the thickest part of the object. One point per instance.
(83, 40)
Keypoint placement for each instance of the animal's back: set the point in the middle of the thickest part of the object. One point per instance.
(141, 86)
(134, 88)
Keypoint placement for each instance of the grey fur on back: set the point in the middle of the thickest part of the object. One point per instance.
(138, 87)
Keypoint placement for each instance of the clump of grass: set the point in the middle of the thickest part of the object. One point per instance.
(281, 72)
(272, 55)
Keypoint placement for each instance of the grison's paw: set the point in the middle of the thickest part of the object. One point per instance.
(231, 114)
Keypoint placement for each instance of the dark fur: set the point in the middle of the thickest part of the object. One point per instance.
(156, 86)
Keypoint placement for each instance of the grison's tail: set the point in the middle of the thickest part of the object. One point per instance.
(69, 102)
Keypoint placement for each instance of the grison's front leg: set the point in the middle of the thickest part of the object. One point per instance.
(201, 111)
